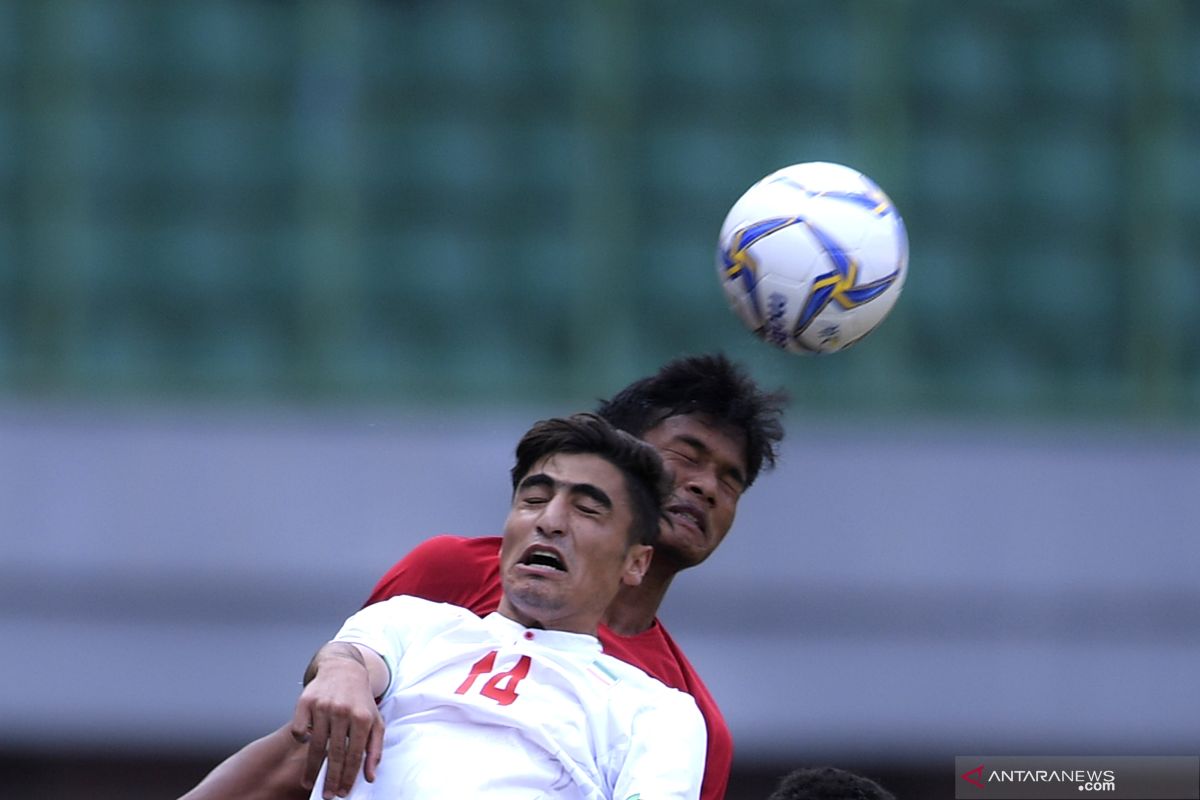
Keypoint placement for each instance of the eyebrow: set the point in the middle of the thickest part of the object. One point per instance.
(701, 447)
(542, 480)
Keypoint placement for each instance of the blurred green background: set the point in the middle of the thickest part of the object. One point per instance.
(485, 207)
(492, 203)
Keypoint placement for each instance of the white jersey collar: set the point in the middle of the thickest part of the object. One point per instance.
(557, 640)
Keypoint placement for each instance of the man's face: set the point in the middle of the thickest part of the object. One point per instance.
(566, 550)
(708, 463)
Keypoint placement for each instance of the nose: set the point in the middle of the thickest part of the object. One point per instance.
(703, 484)
(553, 519)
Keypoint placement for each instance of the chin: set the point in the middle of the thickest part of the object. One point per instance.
(534, 601)
(682, 557)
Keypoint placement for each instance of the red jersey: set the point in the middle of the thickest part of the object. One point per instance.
(466, 572)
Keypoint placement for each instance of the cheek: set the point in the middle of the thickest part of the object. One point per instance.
(677, 468)
(606, 560)
(510, 536)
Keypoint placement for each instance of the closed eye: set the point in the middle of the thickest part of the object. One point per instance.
(685, 456)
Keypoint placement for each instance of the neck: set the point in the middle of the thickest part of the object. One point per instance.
(635, 607)
(533, 619)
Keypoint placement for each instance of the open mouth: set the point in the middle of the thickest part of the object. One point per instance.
(688, 514)
(543, 557)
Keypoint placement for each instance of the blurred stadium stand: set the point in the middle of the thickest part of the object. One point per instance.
(279, 280)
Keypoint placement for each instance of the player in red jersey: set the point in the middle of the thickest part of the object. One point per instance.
(716, 430)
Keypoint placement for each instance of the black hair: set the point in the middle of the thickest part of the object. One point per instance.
(711, 385)
(646, 480)
(828, 783)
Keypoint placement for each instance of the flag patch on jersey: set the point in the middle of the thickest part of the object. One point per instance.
(607, 678)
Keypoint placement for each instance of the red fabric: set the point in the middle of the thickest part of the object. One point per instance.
(466, 572)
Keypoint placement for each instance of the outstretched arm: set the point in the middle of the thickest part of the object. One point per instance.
(448, 569)
(338, 698)
(270, 768)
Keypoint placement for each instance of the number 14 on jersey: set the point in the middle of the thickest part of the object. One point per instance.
(502, 686)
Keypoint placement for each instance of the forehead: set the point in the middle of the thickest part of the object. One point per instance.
(576, 468)
(725, 443)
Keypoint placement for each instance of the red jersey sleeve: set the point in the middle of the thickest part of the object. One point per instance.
(447, 569)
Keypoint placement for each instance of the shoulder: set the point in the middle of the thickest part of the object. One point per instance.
(656, 653)
(410, 604)
(653, 651)
(652, 714)
(642, 689)
(404, 607)
(450, 569)
(400, 621)
(446, 546)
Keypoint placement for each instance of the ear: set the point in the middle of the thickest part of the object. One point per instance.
(637, 561)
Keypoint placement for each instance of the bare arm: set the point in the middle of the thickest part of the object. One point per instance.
(270, 768)
(335, 716)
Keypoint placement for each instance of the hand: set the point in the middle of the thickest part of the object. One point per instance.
(337, 716)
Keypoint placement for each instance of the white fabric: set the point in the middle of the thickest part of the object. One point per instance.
(582, 724)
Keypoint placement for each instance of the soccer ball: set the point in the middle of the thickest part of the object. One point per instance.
(813, 257)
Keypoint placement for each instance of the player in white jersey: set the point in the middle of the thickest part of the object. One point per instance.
(523, 703)
(490, 708)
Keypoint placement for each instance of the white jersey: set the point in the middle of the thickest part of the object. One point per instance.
(488, 708)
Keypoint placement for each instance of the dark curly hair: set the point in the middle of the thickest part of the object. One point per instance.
(704, 384)
(646, 480)
(828, 783)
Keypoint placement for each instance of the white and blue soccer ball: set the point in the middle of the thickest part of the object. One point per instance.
(813, 257)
